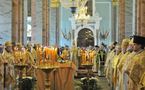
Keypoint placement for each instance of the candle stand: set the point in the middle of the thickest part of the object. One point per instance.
(47, 70)
(20, 68)
(89, 83)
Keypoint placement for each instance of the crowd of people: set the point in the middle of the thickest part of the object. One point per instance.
(15, 53)
(124, 63)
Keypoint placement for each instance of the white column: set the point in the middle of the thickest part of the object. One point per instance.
(5, 20)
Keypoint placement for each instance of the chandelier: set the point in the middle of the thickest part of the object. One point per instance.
(81, 15)
(78, 9)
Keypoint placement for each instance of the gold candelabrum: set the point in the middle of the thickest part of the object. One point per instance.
(21, 71)
(48, 64)
(20, 64)
(88, 63)
(87, 58)
(82, 15)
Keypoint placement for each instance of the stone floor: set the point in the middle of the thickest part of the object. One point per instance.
(102, 84)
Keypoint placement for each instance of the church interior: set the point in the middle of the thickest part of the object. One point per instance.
(72, 45)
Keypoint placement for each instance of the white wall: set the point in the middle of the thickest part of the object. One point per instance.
(5, 20)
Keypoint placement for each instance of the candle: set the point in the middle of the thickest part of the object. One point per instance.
(54, 54)
(84, 56)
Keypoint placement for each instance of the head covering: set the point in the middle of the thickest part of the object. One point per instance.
(19, 45)
(139, 40)
(125, 42)
(8, 43)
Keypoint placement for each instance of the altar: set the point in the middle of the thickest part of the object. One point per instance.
(64, 76)
(60, 79)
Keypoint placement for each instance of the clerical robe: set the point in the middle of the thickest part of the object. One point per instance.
(1, 70)
(10, 75)
(29, 59)
(137, 70)
(142, 81)
(92, 54)
(83, 56)
(108, 59)
(65, 54)
(125, 70)
(119, 70)
(108, 66)
(74, 55)
(114, 66)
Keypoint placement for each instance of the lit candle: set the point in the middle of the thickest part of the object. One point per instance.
(84, 56)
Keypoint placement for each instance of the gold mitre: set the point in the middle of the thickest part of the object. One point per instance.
(125, 42)
(8, 43)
